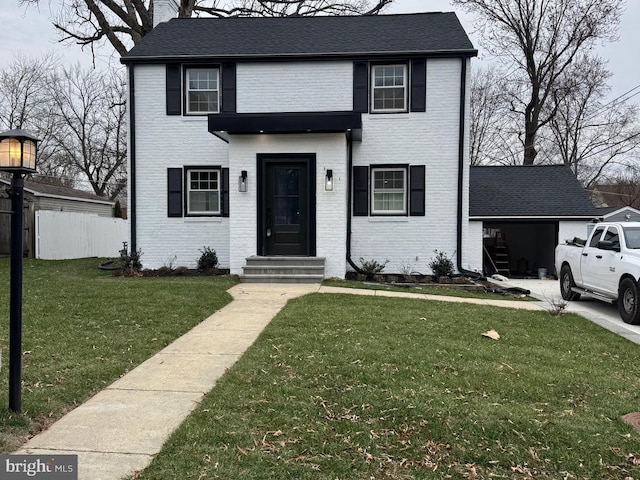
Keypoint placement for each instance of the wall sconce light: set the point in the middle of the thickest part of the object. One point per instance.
(242, 181)
(328, 181)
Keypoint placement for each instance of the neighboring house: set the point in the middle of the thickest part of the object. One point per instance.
(524, 212)
(39, 197)
(333, 137)
(619, 214)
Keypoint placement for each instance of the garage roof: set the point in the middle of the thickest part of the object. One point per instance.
(528, 192)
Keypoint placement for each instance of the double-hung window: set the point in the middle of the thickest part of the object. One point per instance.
(389, 88)
(203, 192)
(203, 90)
(389, 191)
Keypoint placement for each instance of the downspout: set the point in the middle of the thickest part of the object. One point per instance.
(461, 165)
(350, 200)
(132, 159)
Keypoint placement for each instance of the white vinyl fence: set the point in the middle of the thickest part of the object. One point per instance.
(62, 235)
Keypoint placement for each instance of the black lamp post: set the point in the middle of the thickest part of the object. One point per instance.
(18, 150)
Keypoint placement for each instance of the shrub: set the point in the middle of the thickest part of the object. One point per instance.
(372, 267)
(441, 265)
(208, 260)
(130, 261)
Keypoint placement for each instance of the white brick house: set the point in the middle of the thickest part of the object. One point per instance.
(333, 137)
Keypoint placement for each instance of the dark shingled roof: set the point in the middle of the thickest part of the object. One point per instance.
(528, 191)
(422, 33)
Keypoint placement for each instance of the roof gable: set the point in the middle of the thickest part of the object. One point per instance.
(550, 191)
(251, 37)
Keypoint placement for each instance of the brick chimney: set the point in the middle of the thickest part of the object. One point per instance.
(163, 11)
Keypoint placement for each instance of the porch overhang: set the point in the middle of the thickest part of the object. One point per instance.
(224, 124)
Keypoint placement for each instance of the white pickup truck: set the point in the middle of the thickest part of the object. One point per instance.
(606, 266)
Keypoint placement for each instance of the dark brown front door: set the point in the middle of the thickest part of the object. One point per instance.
(287, 206)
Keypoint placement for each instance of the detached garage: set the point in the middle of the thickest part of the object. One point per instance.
(518, 214)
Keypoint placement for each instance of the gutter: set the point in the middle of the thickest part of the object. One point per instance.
(461, 165)
(533, 217)
(273, 56)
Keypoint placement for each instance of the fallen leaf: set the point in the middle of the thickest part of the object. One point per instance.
(491, 334)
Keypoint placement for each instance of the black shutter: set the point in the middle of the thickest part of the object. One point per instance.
(418, 86)
(174, 90)
(360, 191)
(360, 87)
(228, 74)
(416, 192)
(224, 193)
(174, 189)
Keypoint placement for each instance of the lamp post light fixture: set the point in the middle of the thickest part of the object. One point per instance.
(18, 150)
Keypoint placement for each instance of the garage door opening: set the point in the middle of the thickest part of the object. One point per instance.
(519, 250)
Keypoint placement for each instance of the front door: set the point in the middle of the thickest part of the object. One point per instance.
(288, 210)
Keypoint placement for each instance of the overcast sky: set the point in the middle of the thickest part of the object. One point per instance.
(29, 31)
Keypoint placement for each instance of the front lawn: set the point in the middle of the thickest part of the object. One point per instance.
(349, 387)
(83, 328)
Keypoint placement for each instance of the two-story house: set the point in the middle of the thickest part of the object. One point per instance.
(332, 137)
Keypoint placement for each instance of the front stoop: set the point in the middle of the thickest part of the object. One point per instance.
(283, 270)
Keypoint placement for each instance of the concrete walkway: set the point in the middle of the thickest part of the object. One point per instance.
(119, 430)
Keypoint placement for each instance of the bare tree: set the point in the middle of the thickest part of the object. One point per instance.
(25, 104)
(539, 40)
(124, 22)
(593, 137)
(622, 188)
(89, 111)
(493, 138)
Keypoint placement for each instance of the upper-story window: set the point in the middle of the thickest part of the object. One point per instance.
(203, 90)
(389, 88)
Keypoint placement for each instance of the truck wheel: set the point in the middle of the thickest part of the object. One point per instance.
(629, 301)
(567, 283)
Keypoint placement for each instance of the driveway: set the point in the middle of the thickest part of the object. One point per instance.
(604, 314)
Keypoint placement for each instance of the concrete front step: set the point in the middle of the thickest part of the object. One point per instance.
(283, 270)
(281, 278)
(297, 261)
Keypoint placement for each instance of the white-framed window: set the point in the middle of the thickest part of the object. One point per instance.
(202, 90)
(389, 88)
(389, 191)
(203, 191)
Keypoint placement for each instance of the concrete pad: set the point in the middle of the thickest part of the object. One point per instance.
(119, 421)
(177, 372)
(100, 466)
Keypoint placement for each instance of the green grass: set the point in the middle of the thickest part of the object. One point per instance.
(83, 328)
(428, 289)
(350, 387)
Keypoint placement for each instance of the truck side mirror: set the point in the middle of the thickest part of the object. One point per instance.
(609, 245)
